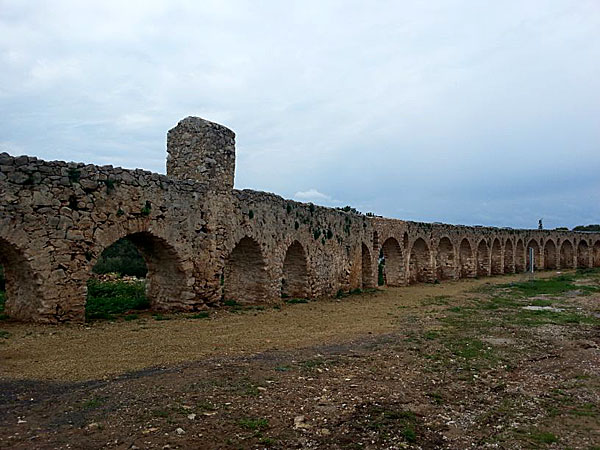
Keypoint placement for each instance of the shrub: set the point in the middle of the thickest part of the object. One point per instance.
(114, 297)
(123, 258)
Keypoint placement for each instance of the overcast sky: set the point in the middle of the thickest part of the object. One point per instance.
(472, 112)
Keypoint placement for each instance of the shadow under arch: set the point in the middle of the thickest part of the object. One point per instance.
(366, 268)
(393, 262)
(294, 282)
(245, 276)
(550, 260)
(22, 299)
(583, 254)
(536, 254)
(419, 263)
(566, 255)
(166, 279)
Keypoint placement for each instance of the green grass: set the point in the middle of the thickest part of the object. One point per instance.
(258, 424)
(113, 298)
(200, 315)
(4, 334)
(2, 300)
(543, 437)
(294, 301)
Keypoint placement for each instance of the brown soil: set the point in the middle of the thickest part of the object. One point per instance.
(400, 368)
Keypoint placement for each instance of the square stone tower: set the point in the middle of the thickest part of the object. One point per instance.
(203, 151)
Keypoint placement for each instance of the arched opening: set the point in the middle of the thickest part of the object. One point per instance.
(294, 283)
(467, 265)
(566, 255)
(483, 259)
(520, 257)
(596, 254)
(550, 261)
(445, 269)
(19, 298)
(497, 268)
(137, 272)
(419, 263)
(245, 277)
(536, 254)
(367, 272)
(393, 263)
(583, 254)
(509, 257)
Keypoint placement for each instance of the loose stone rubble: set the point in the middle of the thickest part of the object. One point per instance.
(205, 243)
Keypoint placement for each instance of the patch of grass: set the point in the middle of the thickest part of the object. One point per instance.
(2, 300)
(130, 317)
(4, 334)
(439, 300)
(469, 348)
(294, 301)
(110, 298)
(436, 398)
(200, 315)
(161, 317)
(538, 318)
(254, 424)
(92, 403)
(231, 303)
(543, 437)
(161, 413)
(283, 368)
(384, 421)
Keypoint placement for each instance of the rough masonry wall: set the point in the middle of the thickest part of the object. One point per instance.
(205, 243)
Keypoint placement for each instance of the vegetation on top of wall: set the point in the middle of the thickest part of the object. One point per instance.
(350, 209)
(561, 229)
(591, 227)
(123, 258)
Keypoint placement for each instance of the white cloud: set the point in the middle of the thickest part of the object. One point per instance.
(311, 195)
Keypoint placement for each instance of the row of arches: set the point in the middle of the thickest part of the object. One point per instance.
(247, 278)
(445, 261)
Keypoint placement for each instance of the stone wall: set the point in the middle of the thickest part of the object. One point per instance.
(205, 243)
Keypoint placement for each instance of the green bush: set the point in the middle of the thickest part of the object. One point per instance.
(105, 299)
(2, 301)
(123, 258)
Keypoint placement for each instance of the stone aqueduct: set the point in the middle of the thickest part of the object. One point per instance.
(205, 242)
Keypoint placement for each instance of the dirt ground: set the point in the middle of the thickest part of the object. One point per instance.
(467, 364)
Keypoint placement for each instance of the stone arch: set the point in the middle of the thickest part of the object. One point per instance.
(509, 257)
(445, 267)
(520, 257)
(21, 283)
(294, 282)
(466, 261)
(536, 254)
(566, 255)
(496, 263)
(245, 277)
(167, 284)
(483, 259)
(367, 267)
(596, 254)
(394, 262)
(419, 262)
(550, 260)
(583, 254)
